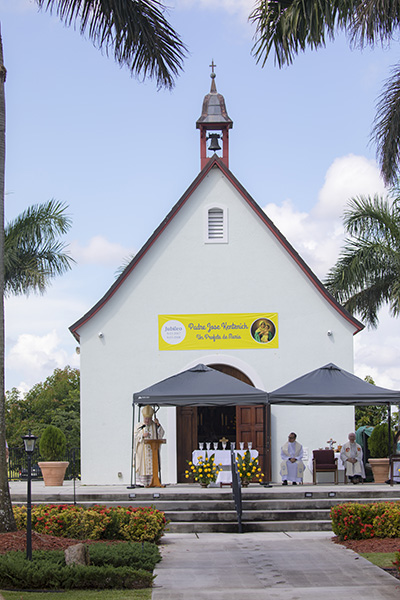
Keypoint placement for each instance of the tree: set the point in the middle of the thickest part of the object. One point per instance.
(288, 27)
(367, 273)
(140, 37)
(55, 401)
(33, 253)
(371, 415)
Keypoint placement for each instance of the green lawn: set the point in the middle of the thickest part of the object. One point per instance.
(81, 595)
(380, 559)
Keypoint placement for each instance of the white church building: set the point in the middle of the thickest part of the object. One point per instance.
(217, 284)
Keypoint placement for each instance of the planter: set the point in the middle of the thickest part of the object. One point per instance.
(245, 483)
(204, 484)
(380, 469)
(53, 472)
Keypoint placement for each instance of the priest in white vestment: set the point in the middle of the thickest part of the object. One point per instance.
(147, 429)
(352, 458)
(292, 467)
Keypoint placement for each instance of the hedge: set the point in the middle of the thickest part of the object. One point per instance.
(141, 524)
(109, 568)
(354, 521)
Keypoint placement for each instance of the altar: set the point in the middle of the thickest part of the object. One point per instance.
(222, 457)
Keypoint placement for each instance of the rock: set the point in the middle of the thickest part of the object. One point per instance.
(77, 555)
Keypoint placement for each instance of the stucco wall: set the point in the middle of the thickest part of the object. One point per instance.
(180, 274)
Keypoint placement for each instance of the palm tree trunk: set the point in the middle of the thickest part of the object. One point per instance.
(7, 522)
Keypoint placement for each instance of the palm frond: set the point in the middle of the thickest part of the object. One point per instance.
(375, 21)
(291, 26)
(33, 253)
(136, 32)
(386, 130)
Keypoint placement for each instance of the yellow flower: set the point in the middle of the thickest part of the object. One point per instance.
(248, 474)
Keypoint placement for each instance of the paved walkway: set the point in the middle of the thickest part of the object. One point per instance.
(261, 566)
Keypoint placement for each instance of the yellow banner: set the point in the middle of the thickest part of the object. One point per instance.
(229, 331)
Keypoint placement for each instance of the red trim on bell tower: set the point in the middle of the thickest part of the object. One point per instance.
(214, 117)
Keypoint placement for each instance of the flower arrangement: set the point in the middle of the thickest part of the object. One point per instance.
(205, 471)
(248, 468)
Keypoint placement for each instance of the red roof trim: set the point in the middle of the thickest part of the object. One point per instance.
(215, 161)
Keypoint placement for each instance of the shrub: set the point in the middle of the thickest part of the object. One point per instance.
(387, 524)
(378, 442)
(52, 444)
(127, 554)
(397, 561)
(48, 571)
(140, 524)
(353, 521)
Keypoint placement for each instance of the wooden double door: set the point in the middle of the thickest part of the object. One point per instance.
(236, 423)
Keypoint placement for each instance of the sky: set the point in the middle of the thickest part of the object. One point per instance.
(120, 154)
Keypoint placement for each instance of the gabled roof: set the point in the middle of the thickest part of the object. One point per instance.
(216, 163)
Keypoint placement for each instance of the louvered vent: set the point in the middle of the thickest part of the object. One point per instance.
(215, 224)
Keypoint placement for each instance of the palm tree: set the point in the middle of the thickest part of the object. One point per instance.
(33, 254)
(140, 37)
(290, 26)
(367, 273)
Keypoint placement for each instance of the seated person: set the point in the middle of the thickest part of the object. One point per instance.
(351, 456)
(292, 467)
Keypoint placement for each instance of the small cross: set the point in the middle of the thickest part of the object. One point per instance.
(212, 66)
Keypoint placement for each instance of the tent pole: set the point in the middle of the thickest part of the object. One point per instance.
(390, 430)
(131, 486)
(265, 438)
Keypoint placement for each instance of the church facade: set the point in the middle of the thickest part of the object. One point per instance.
(218, 284)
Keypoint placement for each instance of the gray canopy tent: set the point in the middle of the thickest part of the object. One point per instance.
(199, 386)
(332, 385)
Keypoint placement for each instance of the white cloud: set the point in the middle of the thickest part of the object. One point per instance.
(36, 356)
(348, 176)
(318, 235)
(100, 251)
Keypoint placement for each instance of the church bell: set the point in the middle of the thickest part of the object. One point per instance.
(214, 145)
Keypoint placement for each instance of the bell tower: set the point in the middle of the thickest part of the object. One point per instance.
(214, 119)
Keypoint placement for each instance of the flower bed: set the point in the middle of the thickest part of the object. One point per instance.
(355, 521)
(141, 524)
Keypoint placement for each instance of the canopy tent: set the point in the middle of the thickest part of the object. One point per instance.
(201, 386)
(332, 385)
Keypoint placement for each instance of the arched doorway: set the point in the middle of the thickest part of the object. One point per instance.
(211, 423)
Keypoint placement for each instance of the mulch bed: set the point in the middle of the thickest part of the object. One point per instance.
(371, 545)
(40, 541)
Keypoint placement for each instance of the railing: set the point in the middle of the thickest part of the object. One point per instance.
(18, 464)
(236, 490)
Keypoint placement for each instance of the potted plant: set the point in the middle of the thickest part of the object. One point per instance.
(205, 471)
(248, 468)
(52, 447)
(378, 445)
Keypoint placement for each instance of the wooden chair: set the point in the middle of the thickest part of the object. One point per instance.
(324, 461)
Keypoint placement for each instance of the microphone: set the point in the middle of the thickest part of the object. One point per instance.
(141, 427)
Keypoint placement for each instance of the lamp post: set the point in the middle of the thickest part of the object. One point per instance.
(29, 443)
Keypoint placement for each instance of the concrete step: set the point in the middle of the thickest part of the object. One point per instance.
(252, 526)
(191, 509)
